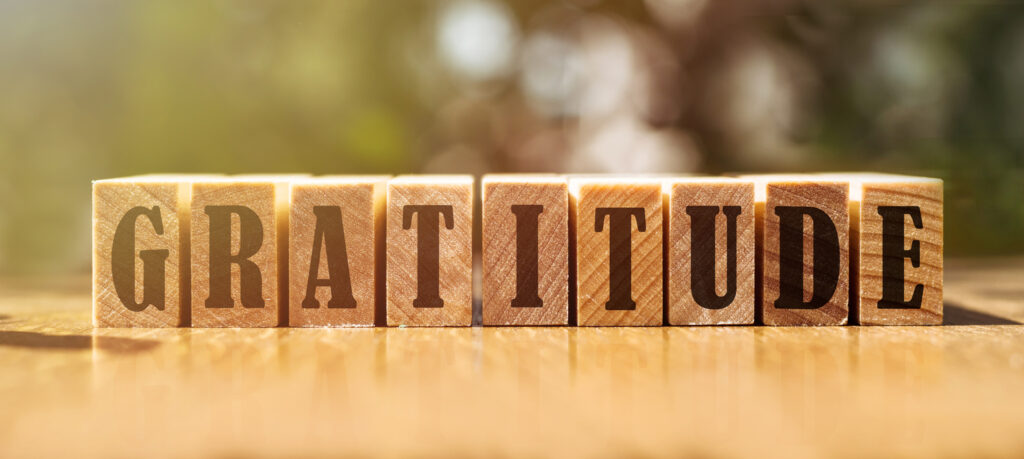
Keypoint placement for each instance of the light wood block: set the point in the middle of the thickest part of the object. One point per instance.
(237, 225)
(430, 250)
(525, 250)
(336, 250)
(710, 251)
(618, 250)
(282, 211)
(805, 234)
(896, 261)
(138, 270)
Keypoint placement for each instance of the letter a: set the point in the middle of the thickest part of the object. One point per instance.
(329, 233)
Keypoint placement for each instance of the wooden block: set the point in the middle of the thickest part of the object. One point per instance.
(618, 250)
(430, 250)
(336, 245)
(525, 250)
(282, 211)
(237, 225)
(710, 251)
(138, 270)
(804, 245)
(896, 264)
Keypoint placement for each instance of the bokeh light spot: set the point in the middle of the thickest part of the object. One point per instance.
(477, 39)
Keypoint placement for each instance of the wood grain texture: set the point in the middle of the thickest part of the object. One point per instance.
(454, 268)
(788, 392)
(156, 232)
(262, 202)
(919, 193)
(594, 264)
(282, 211)
(500, 257)
(683, 308)
(359, 203)
(830, 197)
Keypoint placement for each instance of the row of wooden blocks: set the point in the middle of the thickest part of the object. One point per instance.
(264, 251)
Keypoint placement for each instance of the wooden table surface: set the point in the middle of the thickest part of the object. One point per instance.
(953, 390)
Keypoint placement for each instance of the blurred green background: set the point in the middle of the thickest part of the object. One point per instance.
(97, 89)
